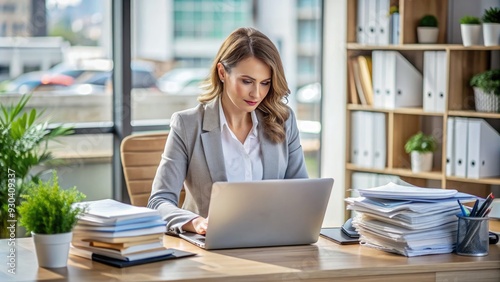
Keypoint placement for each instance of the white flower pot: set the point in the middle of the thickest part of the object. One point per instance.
(421, 162)
(471, 34)
(427, 34)
(491, 34)
(52, 250)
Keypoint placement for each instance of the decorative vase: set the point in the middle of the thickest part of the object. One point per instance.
(421, 162)
(52, 250)
(491, 34)
(471, 34)
(427, 34)
(486, 102)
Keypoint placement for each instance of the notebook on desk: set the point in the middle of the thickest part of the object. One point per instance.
(264, 213)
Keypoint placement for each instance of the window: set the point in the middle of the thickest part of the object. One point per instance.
(169, 37)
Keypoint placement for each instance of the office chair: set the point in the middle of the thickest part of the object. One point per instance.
(141, 155)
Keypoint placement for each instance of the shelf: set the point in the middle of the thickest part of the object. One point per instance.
(487, 181)
(473, 114)
(420, 47)
(462, 63)
(405, 111)
(434, 175)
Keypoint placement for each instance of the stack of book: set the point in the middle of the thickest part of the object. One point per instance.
(113, 230)
(408, 220)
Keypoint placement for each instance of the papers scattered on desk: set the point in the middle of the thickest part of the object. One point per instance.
(119, 231)
(407, 220)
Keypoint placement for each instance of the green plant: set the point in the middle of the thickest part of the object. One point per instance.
(491, 15)
(393, 9)
(421, 143)
(48, 209)
(23, 145)
(428, 21)
(488, 81)
(470, 20)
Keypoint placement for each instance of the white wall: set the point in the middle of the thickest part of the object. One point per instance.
(333, 108)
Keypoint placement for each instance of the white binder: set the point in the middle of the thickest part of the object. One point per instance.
(429, 77)
(461, 137)
(356, 138)
(379, 140)
(378, 78)
(483, 157)
(383, 22)
(361, 19)
(442, 78)
(450, 147)
(403, 82)
(367, 139)
(371, 24)
(394, 24)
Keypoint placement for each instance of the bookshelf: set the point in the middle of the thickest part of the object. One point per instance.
(401, 123)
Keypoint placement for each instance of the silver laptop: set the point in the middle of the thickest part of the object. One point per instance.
(264, 213)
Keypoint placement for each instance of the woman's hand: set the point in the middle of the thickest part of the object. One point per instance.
(197, 225)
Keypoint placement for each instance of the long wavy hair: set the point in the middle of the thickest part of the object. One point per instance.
(241, 44)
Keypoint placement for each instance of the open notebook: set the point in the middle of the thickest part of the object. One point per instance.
(264, 213)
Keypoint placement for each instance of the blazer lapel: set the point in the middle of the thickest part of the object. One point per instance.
(212, 142)
(270, 153)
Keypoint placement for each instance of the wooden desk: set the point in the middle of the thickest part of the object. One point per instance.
(318, 262)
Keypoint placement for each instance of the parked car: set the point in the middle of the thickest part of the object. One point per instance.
(183, 81)
(90, 76)
(142, 76)
(38, 81)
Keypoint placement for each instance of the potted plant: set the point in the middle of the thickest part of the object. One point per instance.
(47, 211)
(421, 148)
(491, 26)
(23, 145)
(427, 30)
(486, 87)
(470, 28)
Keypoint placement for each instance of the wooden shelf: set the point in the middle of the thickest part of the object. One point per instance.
(420, 47)
(405, 111)
(473, 114)
(487, 181)
(401, 123)
(434, 175)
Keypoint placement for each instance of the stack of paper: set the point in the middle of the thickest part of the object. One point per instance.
(120, 231)
(408, 220)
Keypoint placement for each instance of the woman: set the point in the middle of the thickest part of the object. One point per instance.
(241, 131)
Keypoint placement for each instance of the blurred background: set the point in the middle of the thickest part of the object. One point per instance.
(60, 51)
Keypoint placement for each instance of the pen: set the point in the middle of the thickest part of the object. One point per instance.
(487, 212)
(486, 204)
(474, 209)
(464, 213)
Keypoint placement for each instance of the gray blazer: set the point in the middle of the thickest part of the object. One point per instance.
(193, 157)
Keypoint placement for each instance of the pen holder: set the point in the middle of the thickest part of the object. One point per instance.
(472, 236)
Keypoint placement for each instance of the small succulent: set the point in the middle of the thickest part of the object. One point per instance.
(491, 15)
(470, 20)
(428, 21)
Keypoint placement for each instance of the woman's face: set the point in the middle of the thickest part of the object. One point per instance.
(246, 85)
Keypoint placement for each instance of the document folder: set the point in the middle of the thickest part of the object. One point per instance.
(378, 78)
(450, 147)
(402, 82)
(383, 22)
(461, 138)
(483, 156)
(429, 93)
(441, 87)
